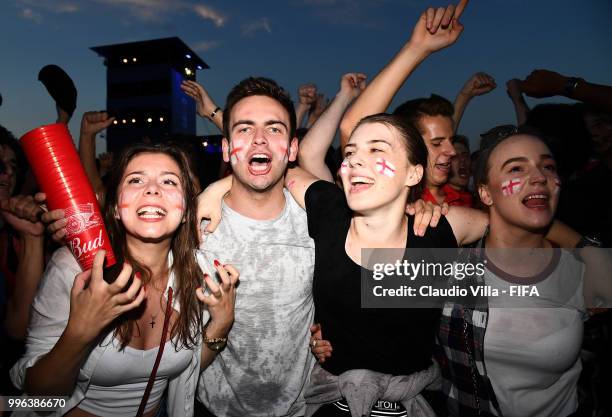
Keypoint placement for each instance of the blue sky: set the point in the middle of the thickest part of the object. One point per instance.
(298, 41)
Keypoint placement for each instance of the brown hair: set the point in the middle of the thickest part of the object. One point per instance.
(413, 143)
(258, 86)
(434, 105)
(187, 273)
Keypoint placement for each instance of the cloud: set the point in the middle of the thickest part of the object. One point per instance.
(261, 24)
(206, 12)
(30, 15)
(33, 9)
(157, 10)
(205, 46)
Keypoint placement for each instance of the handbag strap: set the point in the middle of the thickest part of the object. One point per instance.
(160, 352)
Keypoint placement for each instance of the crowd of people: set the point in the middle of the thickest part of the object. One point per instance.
(246, 298)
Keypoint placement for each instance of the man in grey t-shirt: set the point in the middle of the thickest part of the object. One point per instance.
(265, 367)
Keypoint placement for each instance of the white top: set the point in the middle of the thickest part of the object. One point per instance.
(117, 385)
(49, 316)
(532, 353)
(266, 366)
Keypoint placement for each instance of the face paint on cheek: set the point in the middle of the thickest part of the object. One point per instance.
(237, 150)
(385, 167)
(557, 182)
(127, 198)
(176, 199)
(510, 187)
(344, 166)
(285, 155)
(236, 155)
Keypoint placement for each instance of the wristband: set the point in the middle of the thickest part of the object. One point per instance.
(214, 113)
(570, 85)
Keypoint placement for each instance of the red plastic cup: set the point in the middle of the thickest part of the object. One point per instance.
(59, 173)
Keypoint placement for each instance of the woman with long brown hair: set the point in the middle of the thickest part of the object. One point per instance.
(96, 342)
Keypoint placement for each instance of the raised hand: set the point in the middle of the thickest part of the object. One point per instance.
(543, 83)
(352, 84)
(513, 88)
(94, 303)
(204, 104)
(478, 84)
(93, 122)
(319, 107)
(22, 212)
(307, 94)
(438, 28)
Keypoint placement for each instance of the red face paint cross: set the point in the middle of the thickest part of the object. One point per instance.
(511, 187)
(385, 167)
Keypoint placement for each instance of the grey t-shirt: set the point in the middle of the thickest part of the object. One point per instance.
(264, 369)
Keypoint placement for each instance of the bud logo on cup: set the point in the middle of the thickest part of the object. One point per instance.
(57, 168)
(80, 218)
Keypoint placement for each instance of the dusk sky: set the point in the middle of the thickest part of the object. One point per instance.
(297, 41)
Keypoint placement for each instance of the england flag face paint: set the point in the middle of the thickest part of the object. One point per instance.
(511, 187)
(385, 167)
(237, 151)
(344, 166)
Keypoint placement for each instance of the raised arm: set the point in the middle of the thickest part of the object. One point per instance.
(478, 84)
(545, 83)
(435, 30)
(513, 88)
(307, 95)
(22, 213)
(92, 123)
(320, 136)
(205, 106)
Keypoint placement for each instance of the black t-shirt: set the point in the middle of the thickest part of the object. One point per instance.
(391, 341)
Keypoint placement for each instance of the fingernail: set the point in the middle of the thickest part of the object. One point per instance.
(199, 287)
(217, 263)
(138, 275)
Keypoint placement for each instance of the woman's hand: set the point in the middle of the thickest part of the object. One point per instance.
(94, 303)
(221, 299)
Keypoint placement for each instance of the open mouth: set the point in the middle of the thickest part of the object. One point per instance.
(463, 173)
(360, 183)
(444, 167)
(151, 212)
(260, 164)
(536, 201)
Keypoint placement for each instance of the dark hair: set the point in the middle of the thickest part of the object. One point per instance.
(413, 143)
(184, 242)
(258, 86)
(462, 140)
(9, 140)
(481, 170)
(434, 105)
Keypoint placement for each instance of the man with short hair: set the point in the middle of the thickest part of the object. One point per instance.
(433, 117)
(264, 233)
